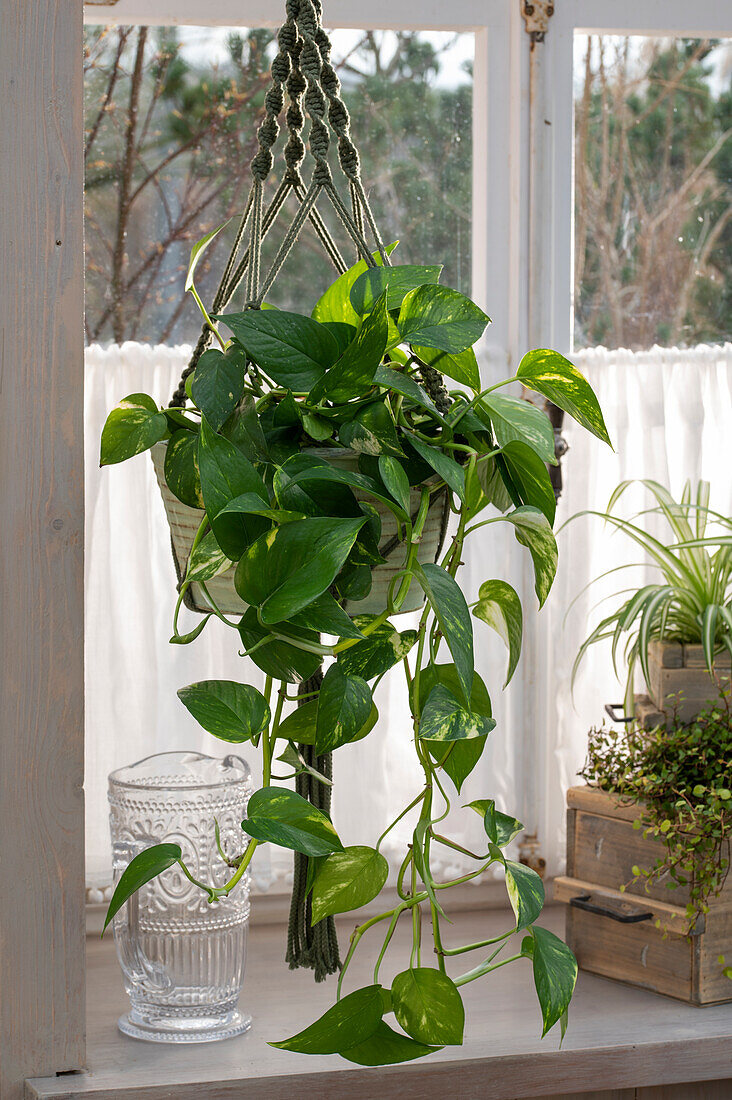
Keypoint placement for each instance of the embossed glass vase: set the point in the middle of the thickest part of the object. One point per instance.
(182, 958)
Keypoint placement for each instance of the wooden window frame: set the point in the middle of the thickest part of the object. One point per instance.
(42, 974)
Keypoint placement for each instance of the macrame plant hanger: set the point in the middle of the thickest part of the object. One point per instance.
(301, 73)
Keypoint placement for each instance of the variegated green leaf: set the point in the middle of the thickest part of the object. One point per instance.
(444, 718)
(451, 610)
(500, 607)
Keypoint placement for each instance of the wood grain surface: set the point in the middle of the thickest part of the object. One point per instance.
(619, 1040)
(41, 542)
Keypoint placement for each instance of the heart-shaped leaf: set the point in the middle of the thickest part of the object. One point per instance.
(244, 430)
(393, 475)
(314, 495)
(437, 317)
(528, 478)
(399, 382)
(463, 366)
(386, 1047)
(533, 531)
(500, 607)
(218, 383)
(344, 705)
(525, 892)
(287, 819)
(448, 603)
(372, 431)
(396, 281)
(555, 975)
(378, 652)
(347, 880)
(319, 470)
(465, 754)
(294, 351)
(181, 468)
(428, 1006)
(326, 616)
(448, 469)
(354, 371)
(500, 828)
(225, 475)
(299, 726)
(134, 426)
(515, 420)
(335, 303)
(444, 718)
(230, 711)
(207, 560)
(317, 427)
(553, 376)
(280, 659)
(145, 866)
(286, 569)
(350, 1021)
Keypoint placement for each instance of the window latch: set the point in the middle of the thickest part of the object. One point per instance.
(536, 14)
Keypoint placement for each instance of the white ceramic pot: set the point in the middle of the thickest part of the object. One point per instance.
(184, 523)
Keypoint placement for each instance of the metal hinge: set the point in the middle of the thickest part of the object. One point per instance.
(537, 14)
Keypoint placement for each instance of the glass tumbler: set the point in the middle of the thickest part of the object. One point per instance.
(182, 958)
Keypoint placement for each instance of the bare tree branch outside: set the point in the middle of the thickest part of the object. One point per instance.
(653, 192)
(170, 134)
(170, 138)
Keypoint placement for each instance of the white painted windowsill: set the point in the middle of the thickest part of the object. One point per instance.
(619, 1038)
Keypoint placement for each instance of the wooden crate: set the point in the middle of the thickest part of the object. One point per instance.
(681, 669)
(640, 936)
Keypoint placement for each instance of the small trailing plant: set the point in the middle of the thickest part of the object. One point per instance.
(692, 600)
(360, 375)
(680, 777)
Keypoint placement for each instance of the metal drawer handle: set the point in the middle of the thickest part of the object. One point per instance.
(622, 911)
(610, 710)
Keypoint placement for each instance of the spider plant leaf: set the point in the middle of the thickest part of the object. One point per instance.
(618, 492)
(599, 577)
(710, 618)
(628, 701)
(650, 613)
(597, 635)
(702, 507)
(668, 562)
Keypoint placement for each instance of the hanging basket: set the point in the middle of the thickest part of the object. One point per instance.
(184, 523)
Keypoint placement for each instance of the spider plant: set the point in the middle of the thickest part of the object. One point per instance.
(691, 602)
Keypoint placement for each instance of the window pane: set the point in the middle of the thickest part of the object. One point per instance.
(653, 191)
(171, 121)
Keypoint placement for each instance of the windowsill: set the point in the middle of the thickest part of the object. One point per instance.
(618, 1037)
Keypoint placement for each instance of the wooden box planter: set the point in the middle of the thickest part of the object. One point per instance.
(642, 938)
(185, 521)
(676, 668)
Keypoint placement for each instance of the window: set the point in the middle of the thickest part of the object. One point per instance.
(171, 129)
(653, 191)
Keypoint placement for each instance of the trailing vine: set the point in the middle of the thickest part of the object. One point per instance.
(298, 533)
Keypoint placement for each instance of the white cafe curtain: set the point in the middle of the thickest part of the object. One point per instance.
(669, 413)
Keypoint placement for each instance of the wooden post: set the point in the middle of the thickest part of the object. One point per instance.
(41, 542)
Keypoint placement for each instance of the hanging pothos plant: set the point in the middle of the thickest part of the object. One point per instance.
(301, 531)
